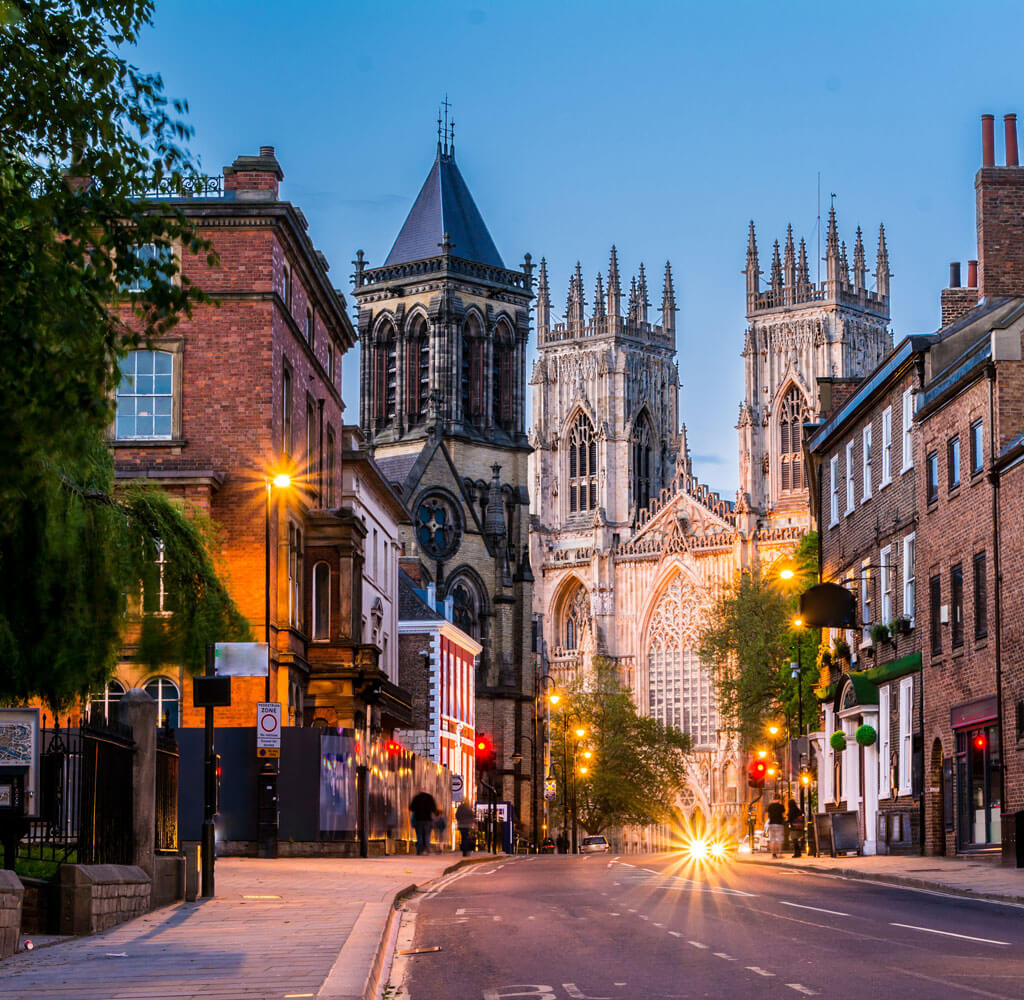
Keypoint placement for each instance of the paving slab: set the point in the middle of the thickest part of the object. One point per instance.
(961, 876)
(292, 927)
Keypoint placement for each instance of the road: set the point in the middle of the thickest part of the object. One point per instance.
(652, 927)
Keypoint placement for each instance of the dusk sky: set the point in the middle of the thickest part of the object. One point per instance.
(662, 128)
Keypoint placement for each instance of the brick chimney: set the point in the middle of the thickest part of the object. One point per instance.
(254, 178)
(1000, 198)
(956, 301)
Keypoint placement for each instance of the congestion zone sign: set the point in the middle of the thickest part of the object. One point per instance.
(268, 729)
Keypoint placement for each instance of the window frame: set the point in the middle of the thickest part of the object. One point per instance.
(865, 600)
(581, 443)
(909, 577)
(935, 613)
(906, 724)
(885, 584)
(316, 634)
(977, 457)
(884, 737)
(953, 462)
(160, 680)
(980, 570)
(931, 478)
(833, 472)
(886, 448)
(956, 606)
(851, 486)
(287, 407)
(866, 464)
(174, 349)
(907, 445)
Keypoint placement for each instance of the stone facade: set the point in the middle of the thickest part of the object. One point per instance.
(444, 328)
(94, 898)
(11, 897)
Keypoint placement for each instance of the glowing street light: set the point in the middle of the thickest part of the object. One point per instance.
(554, 698)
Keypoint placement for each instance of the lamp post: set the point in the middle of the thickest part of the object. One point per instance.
(266, 792)
(579, 732)
(517, 759)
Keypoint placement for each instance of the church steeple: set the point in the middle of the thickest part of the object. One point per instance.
(882, 273)
(753, 268)
(599, 312)
(832, 253)
(668, 302)
(614, 289)
(776, 269)
(575, 317)
(803, 274)
(859, 267)
(642, 301)
(543, 300)
(789, 265)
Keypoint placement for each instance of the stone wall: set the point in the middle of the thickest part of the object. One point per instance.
(95, 898)
(11, 895)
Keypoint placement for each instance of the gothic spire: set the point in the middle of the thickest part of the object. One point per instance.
(832, 252)
(753, 268)
(599, 298)
(859, 267)
(642, 302)
(632, 311)
(844, 264)
(614, 289)
(668, 302)
(803, 274)
(789, 267)
(543, 299)
(776, 269)
(882, 272)
(575, 318)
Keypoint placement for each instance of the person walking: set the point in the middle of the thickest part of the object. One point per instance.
(465, 820)
(423, 809)
(776, 826)
(795, 821)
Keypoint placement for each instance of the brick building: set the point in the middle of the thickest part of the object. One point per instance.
(239, 392)
(865, 508)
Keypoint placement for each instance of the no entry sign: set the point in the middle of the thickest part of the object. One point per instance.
(268, 729)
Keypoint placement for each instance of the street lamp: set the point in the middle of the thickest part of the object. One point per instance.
(282, 481)
(517, 759)
(798, 674)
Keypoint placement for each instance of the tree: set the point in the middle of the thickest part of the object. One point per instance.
(82, 134)
(638, 765)
(749, 643)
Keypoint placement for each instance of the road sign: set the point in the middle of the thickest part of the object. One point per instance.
(241, 659)
(268, 727)
(549, 790)
(268, 752)
(211, 692)
(458, 788)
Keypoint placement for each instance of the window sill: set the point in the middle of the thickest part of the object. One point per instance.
(954, 491)
(148, 443)
(906, 468)
(981, 641)
(885, 482)
(866, 499)
(833, 524)
(932, 505)
(977, 476)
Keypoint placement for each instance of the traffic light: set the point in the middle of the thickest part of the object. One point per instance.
(216, 786)
(483, 750)
(756, 773)
(393, 748)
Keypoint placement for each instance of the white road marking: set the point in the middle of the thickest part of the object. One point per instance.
(575, 993)
(817, 909)
(632, 911)
(964, 937)
(759, 971)
(697, 944)
(643, 916)
(801, 989)
(536, 992)
(620, 984)
(656, 924)
(614, 914)
(675, 934)
(722, 954)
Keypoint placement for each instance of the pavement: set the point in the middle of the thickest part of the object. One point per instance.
(961, 876)
(297, 927)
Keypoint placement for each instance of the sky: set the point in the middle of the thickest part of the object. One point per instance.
(660, 127)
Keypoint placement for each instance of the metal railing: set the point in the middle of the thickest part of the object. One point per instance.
(166, 791)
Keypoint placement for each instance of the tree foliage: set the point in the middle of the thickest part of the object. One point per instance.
(82, 134)
(638, 767)
(750, 642)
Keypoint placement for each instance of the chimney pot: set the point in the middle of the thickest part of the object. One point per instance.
(972, 274)
(1010, 128)
(988, 141)
(267, 151)
(954, 274)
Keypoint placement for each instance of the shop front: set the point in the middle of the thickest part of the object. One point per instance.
(978, 774)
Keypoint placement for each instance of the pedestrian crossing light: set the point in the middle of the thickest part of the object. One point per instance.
(756, 774)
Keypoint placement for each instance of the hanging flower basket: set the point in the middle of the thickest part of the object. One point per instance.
(866, 735)
(838, 740)
(842, 650)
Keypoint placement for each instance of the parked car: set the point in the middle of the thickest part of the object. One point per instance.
(594, 845)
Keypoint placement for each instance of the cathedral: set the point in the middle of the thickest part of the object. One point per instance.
(444, 326)
(629, 548)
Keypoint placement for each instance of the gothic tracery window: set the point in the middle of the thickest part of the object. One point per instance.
(502, 381)
(679, 685)
(643, 462)
(791, 420)
(582, 447)
(417, 371)
(466, 607)
(472, 374)
(384, 375)
(577, 618)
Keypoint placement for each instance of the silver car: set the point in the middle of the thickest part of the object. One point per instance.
(594, 845)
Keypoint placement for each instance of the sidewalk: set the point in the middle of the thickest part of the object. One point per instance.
(296, 927)
(959, 876)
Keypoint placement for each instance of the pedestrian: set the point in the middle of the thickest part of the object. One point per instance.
(795, 820)
(423, 809)
(776, 826)
(563, 844)
(465, 820)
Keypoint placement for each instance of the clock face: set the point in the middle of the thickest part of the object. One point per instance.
(437, 526)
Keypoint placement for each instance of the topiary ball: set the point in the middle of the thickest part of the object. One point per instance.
(866, 735)
(838, 740)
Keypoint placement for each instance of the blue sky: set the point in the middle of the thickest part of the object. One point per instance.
(662, 128)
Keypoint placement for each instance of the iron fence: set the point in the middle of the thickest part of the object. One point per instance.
(166, 791)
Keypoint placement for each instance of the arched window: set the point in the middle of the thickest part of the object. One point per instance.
(577, 618)
(168, 701)
(384, 375)
(321, 601)
(104, 706)
(643, 462)
(791, 420)
(678, 685)
(465, 607)
(417, 371)
(502, 380)
(582, 448)
(472, 374)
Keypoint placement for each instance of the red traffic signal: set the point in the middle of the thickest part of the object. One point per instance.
(980, 742)
(483, 750)
(393, 748)
(756, 773)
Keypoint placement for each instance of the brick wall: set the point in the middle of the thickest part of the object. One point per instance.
(957, 303)
(1011, 556)
(1000, 220)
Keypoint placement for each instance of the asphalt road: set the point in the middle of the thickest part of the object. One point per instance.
(621, 928)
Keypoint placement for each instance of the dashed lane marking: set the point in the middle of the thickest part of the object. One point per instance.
(802, 989)
(656, 924)
(723, 955)
(614, 914)
(759, 970)
(697, 944)
(675, 934)
(963, 937)
(817, 909)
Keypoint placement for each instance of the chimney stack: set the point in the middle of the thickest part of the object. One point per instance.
(254, 178)
(954, 274)
(955, 301)
(1010, 130)
(988, 141)
(972, 274)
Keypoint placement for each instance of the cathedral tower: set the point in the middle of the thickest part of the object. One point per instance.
(444, 326)
(798, 332)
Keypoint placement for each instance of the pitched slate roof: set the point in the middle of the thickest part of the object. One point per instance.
(412, 607)
(444, 206)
